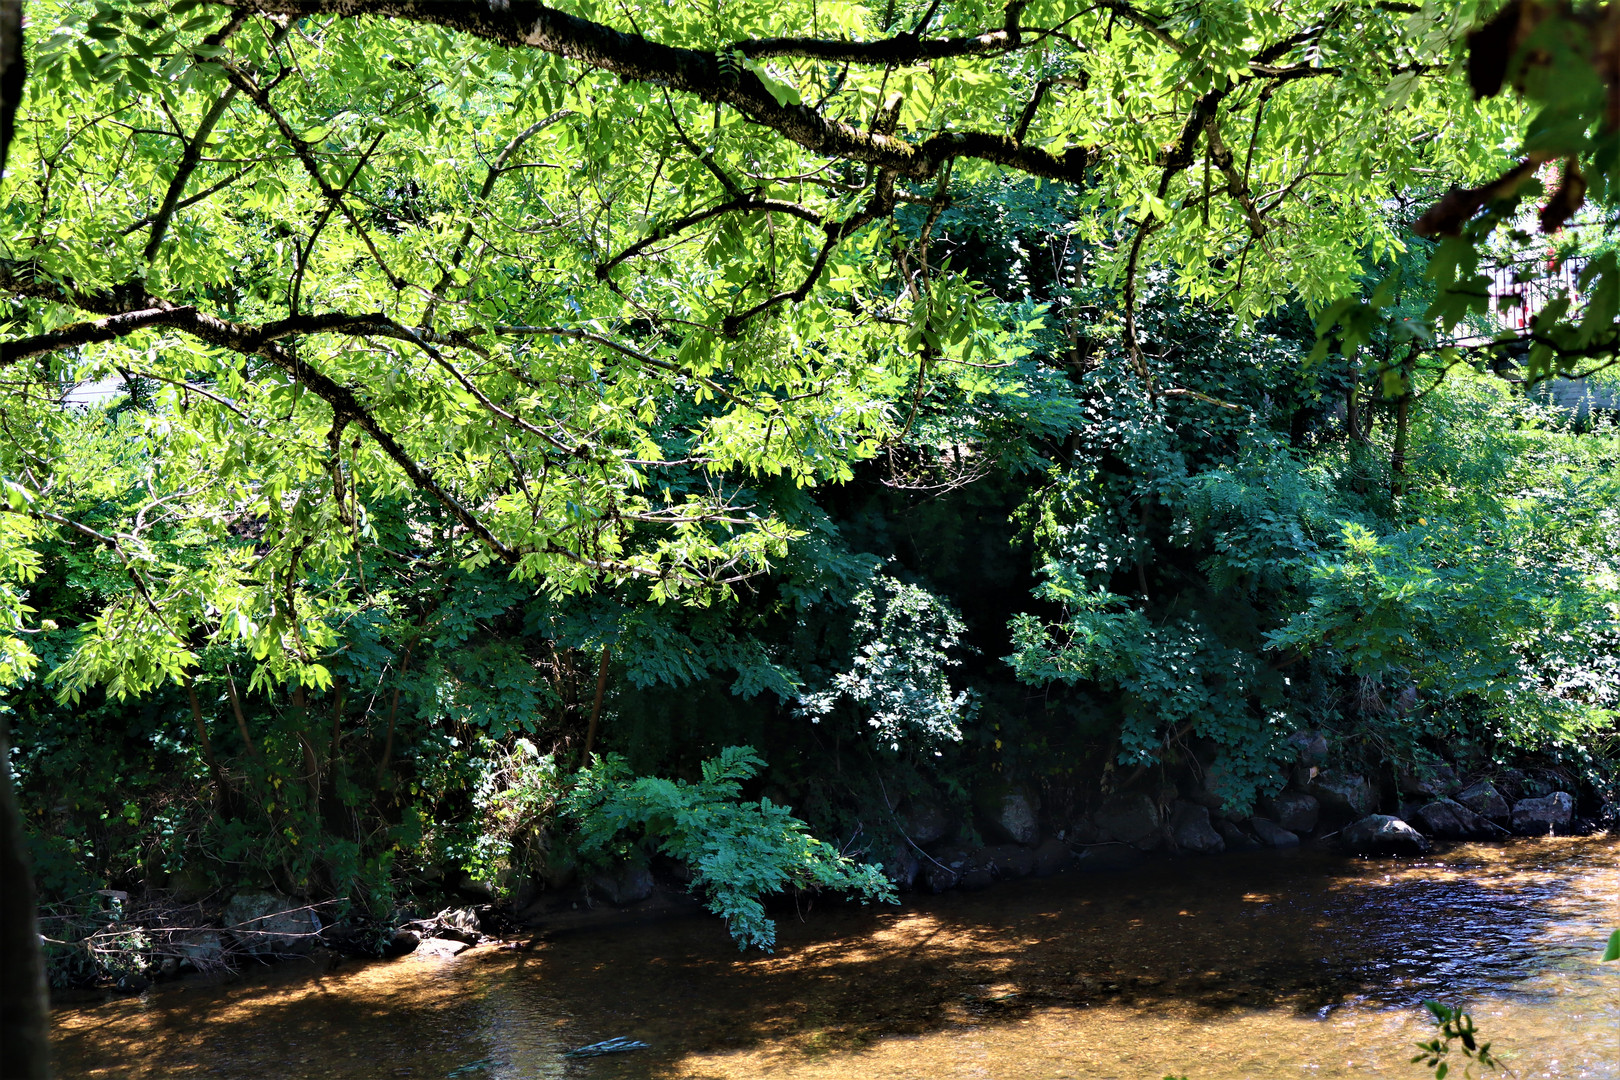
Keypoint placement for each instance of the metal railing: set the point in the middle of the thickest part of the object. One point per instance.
(1521, 290)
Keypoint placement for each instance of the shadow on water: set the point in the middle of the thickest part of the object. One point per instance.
(1225, 952)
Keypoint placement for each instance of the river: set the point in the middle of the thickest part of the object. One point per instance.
(1244, 966)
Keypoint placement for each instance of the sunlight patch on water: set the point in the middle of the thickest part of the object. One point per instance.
(1248, 966)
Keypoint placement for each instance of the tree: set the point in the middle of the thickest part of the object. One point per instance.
(599, 287)
(588, 288)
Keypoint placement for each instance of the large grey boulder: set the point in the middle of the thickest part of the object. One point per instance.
(1483, 799)
(1435, 782)
(1273, 835)
(1191, 831)
(1451, 820)
(1014, 817)
(1538, 817)
(1383, 834)
(1295, 811)
(627, 883)
(1344, 794)
(264, 923)
(1131, 819)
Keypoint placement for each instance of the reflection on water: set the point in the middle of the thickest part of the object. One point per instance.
(1259, 965)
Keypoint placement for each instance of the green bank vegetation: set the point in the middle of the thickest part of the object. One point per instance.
(508, 436)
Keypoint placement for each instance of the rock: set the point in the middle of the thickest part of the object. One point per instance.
(1271, 834)
(1483, 799)
(1236, 839)
(1451, 820)
(1436, 782)
(484, 892)
(1111, 857)
(202, 949)
(1014, 817)
(1191, 831)
(1295, 811)
(938, 878)
(1084, 831)
(264, 923)
(628, 883)
(463, 919)
(456, 933)
(441, 948)
(1311, 747)
(975, 878)
(1416, 787)
(1218, 780)
(1383, 834)
(1539, 817)
(1344, 794)
(189, 884)
(927, 823)
(1130, 819)
(1051, 857)
(902, 867)
(402, 943)
(1009, 861)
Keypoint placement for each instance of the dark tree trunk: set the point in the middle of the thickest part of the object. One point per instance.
(1352, 399)
(24, 1049)
(23, 1020)
(1397, 455)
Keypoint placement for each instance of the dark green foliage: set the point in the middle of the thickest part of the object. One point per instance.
(1055, 573)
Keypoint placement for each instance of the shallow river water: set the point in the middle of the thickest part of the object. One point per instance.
(1254, 966)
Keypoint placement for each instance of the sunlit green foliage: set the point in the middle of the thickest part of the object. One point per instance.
(738, 851)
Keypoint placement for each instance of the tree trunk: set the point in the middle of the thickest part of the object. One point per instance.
(1352, 399)
(221, 789)
(23, 1020)
(596, 706)
(1397, 455)
(24, 1023)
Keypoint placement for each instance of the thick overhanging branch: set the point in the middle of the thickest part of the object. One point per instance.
(527, 24)
(87, 333)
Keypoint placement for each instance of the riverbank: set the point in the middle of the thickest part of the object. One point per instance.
(128, 943)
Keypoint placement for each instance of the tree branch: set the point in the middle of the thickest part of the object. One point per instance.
(198, 142)
(528, 24)
(751, 202)
(900, 50)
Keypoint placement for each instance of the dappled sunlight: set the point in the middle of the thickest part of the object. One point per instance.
(1244, 966)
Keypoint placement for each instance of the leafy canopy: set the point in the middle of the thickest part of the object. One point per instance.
(594, 282)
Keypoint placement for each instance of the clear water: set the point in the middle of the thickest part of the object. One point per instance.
(1246, 966)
